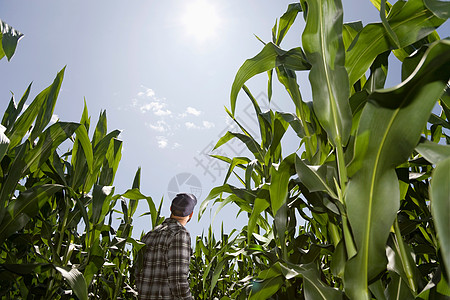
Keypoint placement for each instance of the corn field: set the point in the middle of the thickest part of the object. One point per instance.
(360, 211)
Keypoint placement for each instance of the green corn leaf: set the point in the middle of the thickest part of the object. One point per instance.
(135, 195)
(433, 152)
(100, 195)
(289, 80)
(441, 9)
(410, 21)
(324, 48)
(440, 208)
(28, 160)
(9, 39)
(82, 157)
(280, 176)
(49, 140)
(99, 153)
(279, 129)
(217, 270)
(85, 119)
(100, 129)
(48, 101)
(4, 142)
(378, 73)
(244, 194)
(251, 144)
(13, 111)
(111, 162)
(24, 207)
(286, 21)
(269, 58)
(390, 33)
(312, 178)
(235, 161)
(261, 204)
(262, 290)
(76, 281)
(398, 288)
(136, 185)
(386, 138)
(24, 122)
(14, 175)
(349, 32)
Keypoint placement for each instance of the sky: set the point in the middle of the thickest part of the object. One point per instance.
(163, 73)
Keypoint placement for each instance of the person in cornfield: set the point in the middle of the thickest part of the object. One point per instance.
(166, 256)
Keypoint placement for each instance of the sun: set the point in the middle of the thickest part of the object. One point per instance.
(200, 20)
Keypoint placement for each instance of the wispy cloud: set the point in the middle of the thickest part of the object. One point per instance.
(162, 141)
(204, 125)
(208, 125)
(193, 111)
(147, 92)
(160, 126)
(165, 119)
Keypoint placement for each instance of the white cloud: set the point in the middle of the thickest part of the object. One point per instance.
(147, 92)
(160, 126)
(176, 145)
(161, 112)
(193, 111)
(162, 141)
(208, 125)
(151, 106)
(205, 125)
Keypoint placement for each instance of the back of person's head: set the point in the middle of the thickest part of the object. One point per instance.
(183, 204)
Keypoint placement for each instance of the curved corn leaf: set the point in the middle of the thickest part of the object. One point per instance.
(76, 281)
(440, 208)
(270, 57)
(99, 154)
(261, 204)
(410, 21)
(52, 137)
(40, 109)
(286, 21)
(312, 179)
(111, 162)
(81, 153)
(390, 33)
(49, 96)
(324, 48)
(100, 205)
(243, 194)
(440, 8)
(433, 152)
(24, 207)
(279, 182)
(13, 110)
(9, 39)
(249, 141)
(83, 139)
(385, 138)
(314, 288)
(350, 31)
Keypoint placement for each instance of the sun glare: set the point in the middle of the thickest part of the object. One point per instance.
(200, 20)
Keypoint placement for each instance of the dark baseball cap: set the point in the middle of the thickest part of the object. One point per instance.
(183, 204)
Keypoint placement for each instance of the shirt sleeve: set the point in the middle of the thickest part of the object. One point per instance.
(178, 257)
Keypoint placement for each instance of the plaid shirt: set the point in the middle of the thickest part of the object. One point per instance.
(165, 263)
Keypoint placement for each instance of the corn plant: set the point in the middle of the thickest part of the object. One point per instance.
(57, 236)
(371, 176)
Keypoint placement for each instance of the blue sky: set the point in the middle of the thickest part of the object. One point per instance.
(162, 76)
